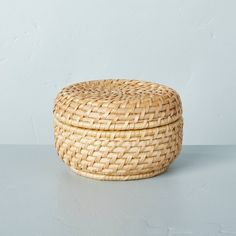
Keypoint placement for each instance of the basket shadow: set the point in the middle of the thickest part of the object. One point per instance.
(201, 157)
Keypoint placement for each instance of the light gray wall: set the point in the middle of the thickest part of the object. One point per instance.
(188, 45)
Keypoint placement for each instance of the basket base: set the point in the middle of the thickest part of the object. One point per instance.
(117, 177)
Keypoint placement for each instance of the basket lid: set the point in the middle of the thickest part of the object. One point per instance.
(117, 105)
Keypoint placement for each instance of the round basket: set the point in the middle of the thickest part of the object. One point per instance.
(118, 129)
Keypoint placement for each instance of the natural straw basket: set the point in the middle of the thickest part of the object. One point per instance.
(118, 129)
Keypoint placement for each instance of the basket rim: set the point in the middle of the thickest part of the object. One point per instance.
(121, 132)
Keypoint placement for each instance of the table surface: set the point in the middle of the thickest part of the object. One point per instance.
(39, 195)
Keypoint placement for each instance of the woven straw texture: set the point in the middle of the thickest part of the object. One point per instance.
(117, 105)
(118, 129)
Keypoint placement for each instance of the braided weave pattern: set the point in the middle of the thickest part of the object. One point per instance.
(110, 130)
(117, 105)
(118, 155)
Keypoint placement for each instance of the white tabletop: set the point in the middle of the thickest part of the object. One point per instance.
(40, 196)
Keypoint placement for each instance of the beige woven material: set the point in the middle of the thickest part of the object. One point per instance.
(118, 129)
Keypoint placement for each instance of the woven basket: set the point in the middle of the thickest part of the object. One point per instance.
(118, 129)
